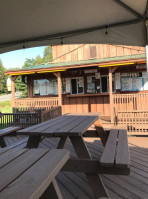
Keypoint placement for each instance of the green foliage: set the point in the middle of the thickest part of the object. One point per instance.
(5, 107)
(47, 57)
(3, 80)
(21, 87)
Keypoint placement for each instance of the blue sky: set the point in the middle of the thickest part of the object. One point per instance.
(17, 58)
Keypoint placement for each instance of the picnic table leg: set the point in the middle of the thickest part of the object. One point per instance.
(101, 133)
(94, 179)
(52, 191)
(2, 142)
(33, 141)
(62, 142)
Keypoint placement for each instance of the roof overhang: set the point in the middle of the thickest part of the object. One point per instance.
(33, 23)
(106, 62)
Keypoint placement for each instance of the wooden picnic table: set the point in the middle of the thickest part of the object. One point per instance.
(74, 127)
(30, 173)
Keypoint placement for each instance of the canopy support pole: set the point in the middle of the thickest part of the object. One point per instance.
(146, 47)
(146, 52)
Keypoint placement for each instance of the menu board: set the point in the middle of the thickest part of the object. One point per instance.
(126, 84)
(117, 81)
(45, 87)
(137, 84)
(67, 85)
(36, 87)
(131, 84)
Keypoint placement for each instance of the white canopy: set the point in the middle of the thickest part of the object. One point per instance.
(29, 23)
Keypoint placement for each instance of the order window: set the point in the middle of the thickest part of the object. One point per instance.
(77, 85)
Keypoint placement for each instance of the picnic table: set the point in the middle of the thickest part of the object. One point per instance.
(74, 127)
(30, 173)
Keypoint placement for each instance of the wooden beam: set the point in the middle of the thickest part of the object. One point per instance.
(58, 75)
(93, 167)
(111, 93)
(113, 69)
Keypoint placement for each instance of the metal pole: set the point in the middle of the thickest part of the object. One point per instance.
(146, 52)
(146, 48)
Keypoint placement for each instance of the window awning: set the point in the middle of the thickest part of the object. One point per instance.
(33, 23)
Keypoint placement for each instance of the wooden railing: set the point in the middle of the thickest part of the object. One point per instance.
(26, 119)
(52, 113)
(126, 102)
(19, 119)
(136, 121)
(35, 103)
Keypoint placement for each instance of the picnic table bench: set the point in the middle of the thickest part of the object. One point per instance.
(75, 127)
(30, 173)
(6, 131)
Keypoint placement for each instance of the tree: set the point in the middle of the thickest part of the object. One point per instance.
(39, 60)
(21, 86)
(3, 80)
(29, 62)
(47, 57)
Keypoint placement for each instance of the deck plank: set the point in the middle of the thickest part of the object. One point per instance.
(133, 186)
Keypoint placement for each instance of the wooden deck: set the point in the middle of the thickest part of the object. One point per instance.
(75, 185)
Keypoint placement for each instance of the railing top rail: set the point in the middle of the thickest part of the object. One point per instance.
(131, 94)
(20, 114)
(134, 111)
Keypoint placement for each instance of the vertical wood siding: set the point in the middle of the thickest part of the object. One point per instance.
(84, 104)
(70, 53)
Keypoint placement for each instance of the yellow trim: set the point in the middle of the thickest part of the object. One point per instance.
(110, 65)
(21, 74)
(50, 71)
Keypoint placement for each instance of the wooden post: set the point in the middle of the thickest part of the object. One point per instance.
(13, 78)
(111, 70)
(58, 75)
(111, 94)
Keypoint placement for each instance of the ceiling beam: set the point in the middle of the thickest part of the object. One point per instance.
(131, 10)
(146, 11)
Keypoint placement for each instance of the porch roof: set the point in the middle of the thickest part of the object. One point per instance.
(78, 64)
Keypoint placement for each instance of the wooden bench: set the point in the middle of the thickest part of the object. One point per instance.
(116, 151)
(6, 131)
(30, 174)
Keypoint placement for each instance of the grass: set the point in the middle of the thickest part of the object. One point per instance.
(5, 107)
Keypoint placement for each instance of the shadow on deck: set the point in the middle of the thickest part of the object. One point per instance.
(75, 185)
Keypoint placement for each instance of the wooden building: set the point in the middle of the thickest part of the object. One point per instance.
(88, 78)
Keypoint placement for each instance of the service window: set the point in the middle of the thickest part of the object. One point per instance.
(45, 87)
(77, 85)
